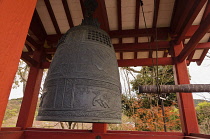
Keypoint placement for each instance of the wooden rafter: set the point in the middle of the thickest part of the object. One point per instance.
(189, 58)
(52, 16)
(101, 15)
(137, 17)
(181, 10)
(82, 7)
(119, 18)
(68, 14)
(192, 14)
(206, 12)
(199, 62)
(29, 48)
(191, 45)
(156, 9)
(36, 29)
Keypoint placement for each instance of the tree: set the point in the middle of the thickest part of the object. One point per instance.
(203, 115)
(146, 109)
(21, 75)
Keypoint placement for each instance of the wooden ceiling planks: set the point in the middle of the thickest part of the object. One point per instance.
(52, 16)
(122, 36)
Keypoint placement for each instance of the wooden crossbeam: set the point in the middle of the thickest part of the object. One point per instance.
(132, 62)
(162, 45)
(68, 14)
(193, 42)
(131, 47)
(145, 62)
(162, 33)
(52, 16)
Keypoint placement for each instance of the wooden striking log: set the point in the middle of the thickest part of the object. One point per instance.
(174, 88)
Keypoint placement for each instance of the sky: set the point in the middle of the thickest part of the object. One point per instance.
(199, 75)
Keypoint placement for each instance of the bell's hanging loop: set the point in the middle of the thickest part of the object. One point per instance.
(82, 84)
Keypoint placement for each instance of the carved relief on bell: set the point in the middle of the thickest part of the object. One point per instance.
(83, 82)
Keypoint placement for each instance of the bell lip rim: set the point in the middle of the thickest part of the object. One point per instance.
(83, 120)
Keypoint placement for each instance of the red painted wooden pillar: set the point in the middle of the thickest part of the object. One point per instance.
(15, 17)
(185, 100)
(30, 98)
(99, 128)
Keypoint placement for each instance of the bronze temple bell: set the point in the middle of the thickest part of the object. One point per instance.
(82, 84)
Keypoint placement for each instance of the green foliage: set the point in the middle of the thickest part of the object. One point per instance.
(203, 115)
(203, 111)
(145, 108)
(21, 75)
(146, 76)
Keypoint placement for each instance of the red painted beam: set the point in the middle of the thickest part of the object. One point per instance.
(162, 45)
(156, 10)
(30, 98)
(199, 62)
(194, 11)
(101, 15)
(200, 135)
(10, 128)
(119, 17)
(11, 134)
(30, 61)
(99, 128)
(66, 135)
(16, 17)
(145, 62)
(182, 12)
(185, 100)
(206, 12)
(191, 31)
(126, 47)
(203, 45)
(162, 33)
(132, 62)
(193, 42)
